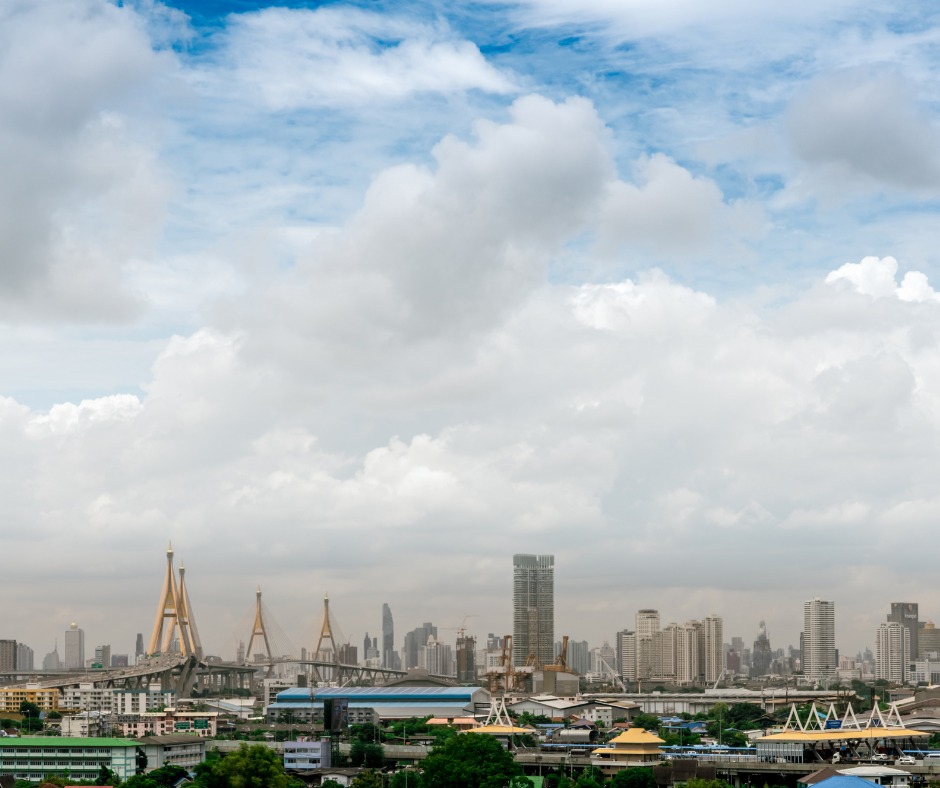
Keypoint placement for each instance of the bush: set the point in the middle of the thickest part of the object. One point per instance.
(633, 778)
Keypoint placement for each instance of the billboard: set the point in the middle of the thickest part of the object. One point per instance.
(339, 716)
(833, 724)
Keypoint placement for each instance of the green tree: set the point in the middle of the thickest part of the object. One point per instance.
(648, 721)
(369, 779)
(472, 760)
(53, 715)
(592, 777)
(251, 767)
(407, 779)
(367, 754)
(365, 732)
(30, 712)
(330, 784)
(693, 783)
(633, 778)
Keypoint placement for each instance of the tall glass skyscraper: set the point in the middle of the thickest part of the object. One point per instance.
(533, 598)
(388, 638)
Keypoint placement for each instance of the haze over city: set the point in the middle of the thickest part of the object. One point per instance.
(366, 298)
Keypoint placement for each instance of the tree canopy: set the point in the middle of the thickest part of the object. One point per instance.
(472, 760)
(633, 778)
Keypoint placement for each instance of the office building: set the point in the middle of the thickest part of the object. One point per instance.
(647, 623)
(907, 614)
(928, 641)
(388, 638)
(627, 657)
(819, 639)
(733, 661)
(579, 655)
(533, 592)
(668, 651)
(348, 654)
(436, 657)
(415, 640)
(466, 664)
(24, 657)
(738, 645)
(762, 654)
(74, 647)
(119, 660)
(139, 647)
(102, 657)
(893, 648)
(714, 655)
(51, 661)
(7, 655)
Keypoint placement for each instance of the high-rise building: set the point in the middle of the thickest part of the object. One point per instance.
(74, 647)
(388, 638)
(893, 648)
(348, 654)
(51, 661)
(493, 642)
(466, 665)
(579, 656)
(819, 639)
(668, 659)
(762, 655)
(436, 657)
(687, 650)
(24, 657)
(647, 623)
(7, 655)
(139, 647)
(119, 660)
(928, 641)
(533, 596)
(714, 637)
(738, 645)
(416, 640)
(906, 613)
(628, 657)
(103, 656)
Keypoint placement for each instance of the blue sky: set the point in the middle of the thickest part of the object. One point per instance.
(413, 286)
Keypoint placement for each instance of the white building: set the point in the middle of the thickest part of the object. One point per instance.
(925, 670)
(647, 623)
(74, 647)
(137, 701)
(819, 640)
(87, 725)
(714, 656)
(628, 656)
(302, 755)
(87, 697)
(892, 652)
(687, 653)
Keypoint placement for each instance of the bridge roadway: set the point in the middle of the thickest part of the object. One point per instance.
(183, 674)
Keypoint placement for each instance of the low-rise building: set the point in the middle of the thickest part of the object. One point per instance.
(182, 749)
(137, 701)
(87, 724)
(162, 723)
(302, 756)
(32, 758)
(12, 697)
(880, 775)
(88, 697)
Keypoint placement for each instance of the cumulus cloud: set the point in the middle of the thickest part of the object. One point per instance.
(296, 58)
(79, 197)
(858, 132)
(876, 278)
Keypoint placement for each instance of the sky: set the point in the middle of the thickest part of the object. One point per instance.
(364, 298)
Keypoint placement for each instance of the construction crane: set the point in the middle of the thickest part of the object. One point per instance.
(560, 665)
(462, 629)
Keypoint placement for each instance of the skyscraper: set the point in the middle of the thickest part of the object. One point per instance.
(416, 640)
(762, 655)
(647, 623)
(74, 647)
(714, 656)
(533, 596)
(388, 637)
(893, 648)
(139, 648)
(24, 657)
(906, 613)
(687, 652)
(7, 655)
(627, 656)
(819, 639)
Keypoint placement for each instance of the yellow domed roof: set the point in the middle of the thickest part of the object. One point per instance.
(929, 625)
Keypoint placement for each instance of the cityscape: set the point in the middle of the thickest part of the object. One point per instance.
(459, 394)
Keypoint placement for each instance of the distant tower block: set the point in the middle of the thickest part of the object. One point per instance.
(189, 619)
(170, 607)
(258, 630)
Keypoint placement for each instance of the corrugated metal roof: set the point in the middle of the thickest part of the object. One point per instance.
(379, 704)
(382, 692)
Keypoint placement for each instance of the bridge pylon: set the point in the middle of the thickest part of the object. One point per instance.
(172, 609)
(258, 630)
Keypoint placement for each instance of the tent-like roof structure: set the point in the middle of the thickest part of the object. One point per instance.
(634, 741)
(843, 734)
(637, 736)
(500, 730)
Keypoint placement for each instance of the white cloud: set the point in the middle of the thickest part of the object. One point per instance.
(876, 278)
(79, 197)
(343, 56)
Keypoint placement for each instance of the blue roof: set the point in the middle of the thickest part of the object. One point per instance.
(380, 695)
(844, 781)
(359, 704)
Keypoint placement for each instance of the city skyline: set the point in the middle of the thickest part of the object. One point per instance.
(477, 629)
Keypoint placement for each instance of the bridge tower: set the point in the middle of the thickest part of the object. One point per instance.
(326, 633)
(258, 630)
(171, 608)
(189, 619)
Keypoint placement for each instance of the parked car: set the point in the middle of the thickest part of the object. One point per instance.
(879, 756)
(906, 760)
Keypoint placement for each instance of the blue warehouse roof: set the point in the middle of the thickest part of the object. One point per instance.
(380, 695)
